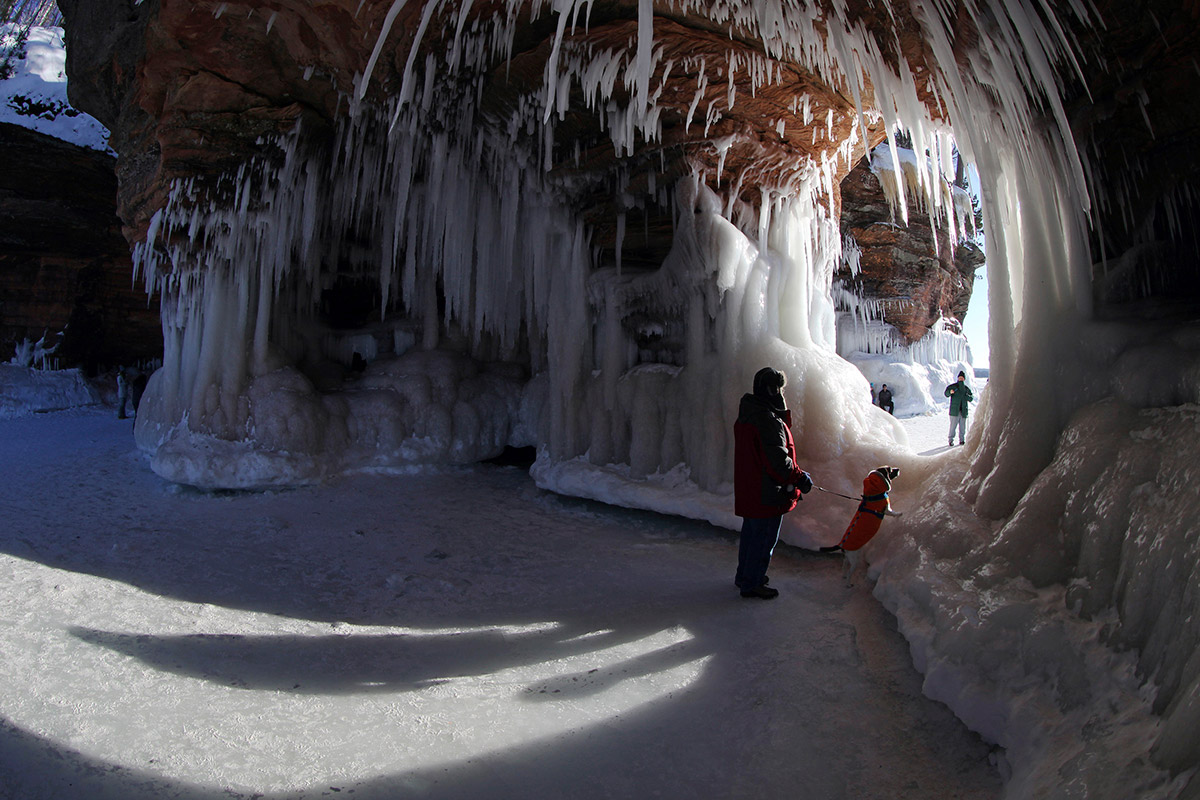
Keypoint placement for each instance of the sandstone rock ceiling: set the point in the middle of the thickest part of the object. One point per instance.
(188, 89)
(211, 79)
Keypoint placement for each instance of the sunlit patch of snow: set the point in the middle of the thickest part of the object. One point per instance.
(35, 96)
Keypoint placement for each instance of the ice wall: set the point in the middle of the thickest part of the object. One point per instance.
(242, 262)
(660, 436)
(1067, 632)
(466, 231)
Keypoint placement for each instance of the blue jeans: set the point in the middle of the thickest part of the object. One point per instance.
(759, 537)
(960, 423)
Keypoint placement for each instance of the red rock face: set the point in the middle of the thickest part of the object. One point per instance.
(900, 264)
(64, 265)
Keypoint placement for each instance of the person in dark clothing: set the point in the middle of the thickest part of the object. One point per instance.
(960, 398)
(767, 483)
(122, 392)
(885, 400)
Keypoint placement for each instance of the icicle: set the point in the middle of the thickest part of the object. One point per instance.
(397, 5)
(645, 47)
(701, 86)
(620, 242)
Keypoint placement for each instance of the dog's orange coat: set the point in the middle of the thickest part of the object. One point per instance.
(869, 516)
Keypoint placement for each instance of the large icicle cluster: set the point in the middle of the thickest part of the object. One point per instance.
(458, 216)
(242, 280)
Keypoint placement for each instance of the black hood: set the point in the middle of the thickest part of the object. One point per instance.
(768, 386)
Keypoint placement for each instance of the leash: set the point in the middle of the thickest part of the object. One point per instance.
(839, 494)
(834, 548)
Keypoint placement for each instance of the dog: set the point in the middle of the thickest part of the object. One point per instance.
(874, 507)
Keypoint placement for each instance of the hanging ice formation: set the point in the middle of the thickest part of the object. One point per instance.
(469, 238)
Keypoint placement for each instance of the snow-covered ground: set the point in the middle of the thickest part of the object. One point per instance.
(440, 633)
(35, 96)
(927, 432)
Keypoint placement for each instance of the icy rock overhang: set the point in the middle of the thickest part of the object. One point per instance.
(907, 276)
(487, 167)
(750, 92)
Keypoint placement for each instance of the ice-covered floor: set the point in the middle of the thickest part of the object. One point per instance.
(927, 433)
(445, 634)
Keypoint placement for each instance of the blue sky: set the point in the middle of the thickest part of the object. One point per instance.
(975, 326)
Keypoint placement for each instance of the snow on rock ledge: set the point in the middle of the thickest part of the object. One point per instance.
(35, 96)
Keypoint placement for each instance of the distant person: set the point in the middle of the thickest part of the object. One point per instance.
(873, 393)
(358, 364)
(122, 392)
(960, 396)
(766, 481)
(138, 388)
(885, 400)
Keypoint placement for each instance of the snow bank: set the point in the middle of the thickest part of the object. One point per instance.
(917, 388)
(29, 391)
(35, 97)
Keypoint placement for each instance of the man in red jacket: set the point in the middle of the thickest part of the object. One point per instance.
(766, 481)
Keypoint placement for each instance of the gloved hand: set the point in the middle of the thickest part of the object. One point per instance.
(804, 482)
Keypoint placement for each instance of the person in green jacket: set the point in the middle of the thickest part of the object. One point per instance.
(960, 396)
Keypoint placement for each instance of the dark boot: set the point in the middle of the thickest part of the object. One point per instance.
(761, 592)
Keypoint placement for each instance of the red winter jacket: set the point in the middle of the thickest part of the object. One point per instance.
(766, 480)
(869, 516)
